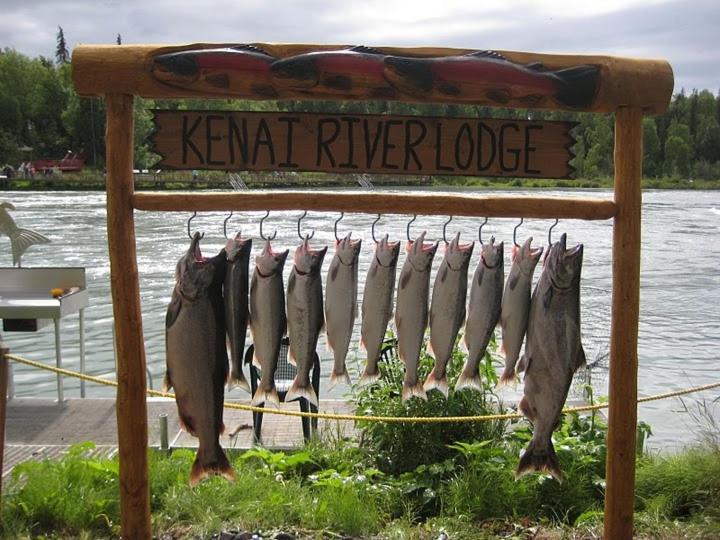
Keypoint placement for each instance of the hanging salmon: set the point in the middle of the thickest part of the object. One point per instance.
(235, 296)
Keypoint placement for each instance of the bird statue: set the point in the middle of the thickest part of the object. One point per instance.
(20, 239)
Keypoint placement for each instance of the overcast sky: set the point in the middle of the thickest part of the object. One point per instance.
(686, 33)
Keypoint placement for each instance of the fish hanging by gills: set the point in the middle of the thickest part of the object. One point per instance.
(305, 317)
(411, 311)
(447, 310)
(486, 294)
(20, 239)
(357, 71)
(268, 322)
(377, 305)
(488, 76)
(341, 304)
(196, 357)
(515, 307)
(235, 296)
(552, 355)
(240, 69)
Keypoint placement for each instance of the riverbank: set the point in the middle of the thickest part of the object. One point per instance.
(183, 181)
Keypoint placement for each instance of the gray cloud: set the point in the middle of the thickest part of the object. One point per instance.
(685, 33)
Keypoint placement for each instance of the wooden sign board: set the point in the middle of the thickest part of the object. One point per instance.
(356, 143)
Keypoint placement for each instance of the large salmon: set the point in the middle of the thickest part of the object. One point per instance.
(235, 296)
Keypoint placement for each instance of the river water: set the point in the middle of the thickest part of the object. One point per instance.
(680, 293)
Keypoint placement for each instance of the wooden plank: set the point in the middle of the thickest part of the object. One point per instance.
(622, 416)
(442, 204)
(355, 143)
(274, 71)
(131, 407)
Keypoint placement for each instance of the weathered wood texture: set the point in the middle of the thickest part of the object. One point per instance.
(622, 416)
(437, 204)
(623, 82)
(3, 406)
(354, 143)
(131, 407)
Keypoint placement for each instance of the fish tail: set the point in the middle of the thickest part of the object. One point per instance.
(265, 396)
(336, 376)
(298, 390)
(435, 382)
(211, 463)
(413, 390)
(507, 378)
(578, 86)
(538, 458)
(369, 376)
(468, 380)
(22, 239)
(238, 380)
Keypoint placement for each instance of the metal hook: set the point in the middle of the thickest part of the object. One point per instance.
(515, 232)
(202, 235)
(480, 228)
(262, 219)
(226, 222)
(308, 236)
(342, 215)
(408, 227)
(550, 231)
(445, 229)
(372, 228)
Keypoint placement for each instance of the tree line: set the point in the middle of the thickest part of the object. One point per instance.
(39, 109)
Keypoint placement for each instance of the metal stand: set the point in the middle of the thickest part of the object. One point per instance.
(81, 315)
(58, 360)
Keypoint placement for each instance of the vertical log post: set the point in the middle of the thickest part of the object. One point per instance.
(3, 405)
(622, 416)
(131, 406)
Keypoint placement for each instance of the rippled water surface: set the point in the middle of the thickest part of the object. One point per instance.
(680, 294)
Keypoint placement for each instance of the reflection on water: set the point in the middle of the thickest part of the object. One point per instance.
(680, 295)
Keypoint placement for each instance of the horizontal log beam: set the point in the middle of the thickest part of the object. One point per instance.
(622, 82)
(378, 202)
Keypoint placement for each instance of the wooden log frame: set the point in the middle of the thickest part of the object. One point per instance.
(629, 87)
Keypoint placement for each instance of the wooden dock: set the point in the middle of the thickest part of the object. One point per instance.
(38, 428)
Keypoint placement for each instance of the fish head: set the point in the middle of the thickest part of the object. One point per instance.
(270, 262)
(528, 257)
(7, 205)
(492, 253)
(564, 265)
(193, 272)
(386, 253)
(348, 249)
(408, 74)
(296, 71)
(458, 255)
(176, 67)
(308, 260)
(237, 247)
(421, 253)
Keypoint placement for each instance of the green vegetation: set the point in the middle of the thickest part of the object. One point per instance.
(39, 109)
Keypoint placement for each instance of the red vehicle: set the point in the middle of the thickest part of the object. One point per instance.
(71, 162)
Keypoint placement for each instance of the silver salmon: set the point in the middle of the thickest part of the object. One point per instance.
(268, 322)
(552, 354)
(341, 304)
(377, 305)
(447, 309)
(483, 316)
(197, 363)
(235, 296)
(411, 312)
(516, 306)
(305, 317)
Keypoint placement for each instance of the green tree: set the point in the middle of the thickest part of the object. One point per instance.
(62, 54)
(652, 154)
(677, 156)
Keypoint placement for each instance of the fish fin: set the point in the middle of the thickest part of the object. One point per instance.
(581, 360)
(526, 409)
(578, 85)
(503, 351)
(291, 357)
(468, 381)
(540, 460)
(335, 377)
(365, 49)
(429, 350)
(167, 382)
(362, 344)
(246, 47)
(463, 344)
(328, 344)
(536, 66)
(522, 364)
(256, 361)
(207, 464)
(173, 311)
(434, 383)
(305, 391)
(368, 377)
(238, 380)
(186, 423)
(487, 54)
(22, 239)
(506, 379)
(415, 390)
(265, 396)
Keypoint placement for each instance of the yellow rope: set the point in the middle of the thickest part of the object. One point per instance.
(355, 418)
